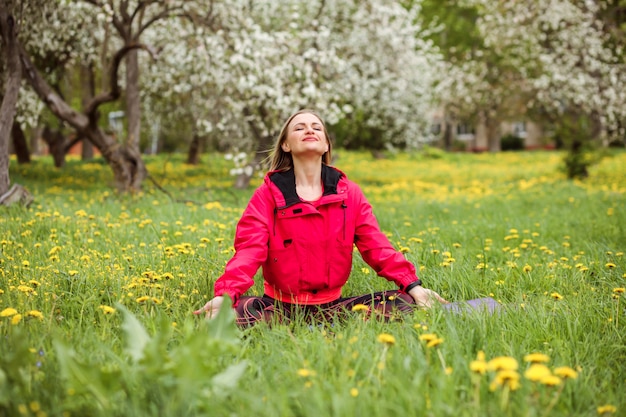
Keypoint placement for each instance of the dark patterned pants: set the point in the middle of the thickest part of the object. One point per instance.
(385, 305)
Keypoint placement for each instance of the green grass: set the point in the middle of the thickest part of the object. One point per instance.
(504, 225)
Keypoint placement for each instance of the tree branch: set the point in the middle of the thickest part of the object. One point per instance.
(53, 100)
(115, 90)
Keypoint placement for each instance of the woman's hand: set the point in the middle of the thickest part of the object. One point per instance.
(211, 308)
(424, 297)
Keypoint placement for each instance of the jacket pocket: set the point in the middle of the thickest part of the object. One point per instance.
(282, 269)
(340, 264)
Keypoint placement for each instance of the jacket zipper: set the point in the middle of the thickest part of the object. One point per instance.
(344, 207)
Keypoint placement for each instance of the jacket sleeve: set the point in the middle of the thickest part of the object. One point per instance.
(251, 248)
(376, 249)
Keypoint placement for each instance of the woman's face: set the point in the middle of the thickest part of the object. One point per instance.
(305, 137)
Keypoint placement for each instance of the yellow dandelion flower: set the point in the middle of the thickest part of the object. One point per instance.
(142, 299)
(8, 312)
(537, 372)
(610, 265)
(527, 268)
(305, 373)
(507, 377)
(501, 363)
(16, 319)
(360, 307)
(25, 264)
(606, 409)
(479, 367)
(556, 296)
(354, 392)
(619, 290)
(565, 372)
(536, 358)
(106, 309)
(386, 339)
(550, 380)
(35, 314)
(427, 337)
(434, 342)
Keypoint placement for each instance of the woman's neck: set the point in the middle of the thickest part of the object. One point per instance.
(308, 179)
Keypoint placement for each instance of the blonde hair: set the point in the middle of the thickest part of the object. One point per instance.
(283, 161)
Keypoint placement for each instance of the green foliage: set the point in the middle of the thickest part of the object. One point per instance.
(576, 133)
(511, 142)
(353, 132)
(456, 34)
(163, 374)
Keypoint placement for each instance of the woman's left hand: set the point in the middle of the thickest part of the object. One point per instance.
(424, 297)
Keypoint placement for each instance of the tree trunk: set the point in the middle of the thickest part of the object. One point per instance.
(243, 179)
(133, 101)
(8, 33)
(493, 134)
(19, 144)
(35, 146)
(195, 149)
(56, 145)
(88, 91)
(128, 168)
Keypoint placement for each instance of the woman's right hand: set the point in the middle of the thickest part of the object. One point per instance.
(211, 308)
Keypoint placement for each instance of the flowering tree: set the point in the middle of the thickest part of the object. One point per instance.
(556, 60)
(101, 34)
(246, 66)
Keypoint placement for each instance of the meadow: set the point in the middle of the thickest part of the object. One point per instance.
(97, 292)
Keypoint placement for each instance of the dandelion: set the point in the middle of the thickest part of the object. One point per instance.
(427, 337)
(386, 339)
(556, 296)
(360, 307)
(606, 409)
(25, 264)
(502, 363)
(610, 265)
(508, 378)
(305, 373)
(107, 309)
(434, 342)
(16, 319)
(619, 290)
(8, 312)
(527, 268)
(142, 299)
(550, 380)
(479, 367)
(565, 372)
(537, 372)
(35, 314)
(536, 358)
(354, 392)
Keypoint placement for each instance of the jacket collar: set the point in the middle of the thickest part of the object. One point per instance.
(285, 181)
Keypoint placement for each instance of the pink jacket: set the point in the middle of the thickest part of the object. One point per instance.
(306, 248)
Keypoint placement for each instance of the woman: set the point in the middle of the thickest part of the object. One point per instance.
(301, 226)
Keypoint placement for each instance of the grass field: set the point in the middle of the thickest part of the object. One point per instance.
(97, 292)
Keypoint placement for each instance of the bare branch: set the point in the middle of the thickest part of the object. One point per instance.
(114, 86)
